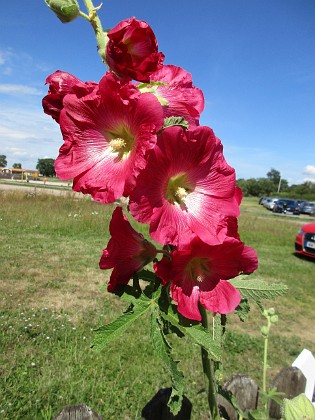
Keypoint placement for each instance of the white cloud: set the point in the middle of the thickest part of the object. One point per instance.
(16, 89)
(14, 151)
(12, 133)
(309, 180)
(309, 170)
(27, 134)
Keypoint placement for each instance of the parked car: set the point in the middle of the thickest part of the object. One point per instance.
(262, 200)
(305, 240)
(284, 205)
(270, 203)
(308, 208)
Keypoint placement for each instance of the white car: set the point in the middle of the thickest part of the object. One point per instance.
(270, 203)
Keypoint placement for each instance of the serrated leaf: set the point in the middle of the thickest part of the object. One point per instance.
(163, 350)
(173, 121)
(258, 289)
(243, 310)
(111, 331)
(198, 334)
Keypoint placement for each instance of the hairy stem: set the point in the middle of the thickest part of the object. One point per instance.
(97, 26)
(208, 372)
(265, 366)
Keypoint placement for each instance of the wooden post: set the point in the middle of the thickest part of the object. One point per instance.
(77, 412)
(245, 391)
(291, 382)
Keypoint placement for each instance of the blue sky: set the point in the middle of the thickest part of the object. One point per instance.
(253, 59)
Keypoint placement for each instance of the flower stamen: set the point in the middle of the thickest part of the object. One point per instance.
(181, 193)
(117, 144)
(178, 188)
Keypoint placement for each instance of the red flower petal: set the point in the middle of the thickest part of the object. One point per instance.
(223, 299)
(60, 84)
(204, 269)
(178, 96)
(127, 251)
(186, 188)
(107, 135)
(132, 50)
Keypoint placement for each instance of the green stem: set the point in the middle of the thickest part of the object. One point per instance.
(265, 366)
(208, 373)
(97, 26)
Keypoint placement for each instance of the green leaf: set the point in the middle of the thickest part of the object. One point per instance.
(258, 289)
(299, 407)
(273, 395)
(143, 86)
(163, 350)
(198, 334)
(146, 275)
(111, 331)
(243, 310)
(172, 121)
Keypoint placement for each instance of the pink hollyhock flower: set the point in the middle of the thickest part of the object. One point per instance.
(177, 94)
(127, 251)
(199, 274)
(132, 50)
(186, 188)
(106, 137)
(60, 84)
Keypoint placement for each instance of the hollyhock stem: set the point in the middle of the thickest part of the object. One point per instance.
(164, 252)
(97, 26)
(208, 372)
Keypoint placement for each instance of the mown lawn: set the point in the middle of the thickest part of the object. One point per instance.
(51, 300)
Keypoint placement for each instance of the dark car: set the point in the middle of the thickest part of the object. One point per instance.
(305, 240)
(286, 206)
(307, 208)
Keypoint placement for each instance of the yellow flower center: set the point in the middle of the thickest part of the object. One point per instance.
(121, 141)
(117, 144)
(178, 188)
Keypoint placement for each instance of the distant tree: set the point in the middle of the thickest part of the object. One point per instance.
(274, 176)
(17, 166)
(3, 161)
(46, 167)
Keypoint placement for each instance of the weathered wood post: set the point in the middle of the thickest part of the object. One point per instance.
(291, 382)
(77, 412)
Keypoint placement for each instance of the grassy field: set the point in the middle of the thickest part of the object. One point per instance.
(51, 300)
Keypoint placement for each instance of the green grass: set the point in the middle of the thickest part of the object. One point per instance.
(51, 300)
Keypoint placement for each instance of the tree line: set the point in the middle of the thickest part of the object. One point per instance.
(275, 186)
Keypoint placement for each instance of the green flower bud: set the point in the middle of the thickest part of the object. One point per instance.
(265, 331)
(274, 319)
(271, 311)
(66, 10)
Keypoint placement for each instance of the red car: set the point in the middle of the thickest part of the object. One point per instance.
(305, 240)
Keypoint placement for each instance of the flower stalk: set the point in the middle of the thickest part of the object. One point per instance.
(97, 26)
(208, 372)
(272, 318)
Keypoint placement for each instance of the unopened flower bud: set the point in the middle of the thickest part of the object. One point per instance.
(265, 331)
(66, 10)
(271, 311)
(274, 319)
